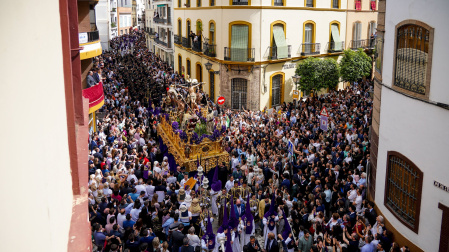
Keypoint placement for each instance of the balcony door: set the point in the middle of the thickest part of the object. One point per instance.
(308, 38)
(279, 46)
(239, 92)
(357, 35)
(239, 42)
(199, 73)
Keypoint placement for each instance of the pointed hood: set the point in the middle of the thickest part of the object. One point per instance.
(209, 235)
(216, 184)
(228, 246)
(287, 228)
(248, 218)
(233, 221)
(225, 224)
(272, 210)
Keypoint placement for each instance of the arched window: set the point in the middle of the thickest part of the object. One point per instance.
(357, 35)
(240, 42)
(336, 44)
(403, 189)
(336, 4)
(276, 89)
(239, 92)
(179, 27)
(180, 64)
(279, 48)
(188, 69)
(412, 60)
(199, 72)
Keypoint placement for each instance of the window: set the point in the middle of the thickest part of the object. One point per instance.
(372, 29)
(276, 92)
(239, 42)
(372, 5)
(212, 85)
(187, 3)
(211, 2)
(198, 3)
(309, 3)
(239, 90)
(240, 2)
(358, 4)
(180, 65)
(278, 2)
(188, 69)
(412, 66)
(336, 43)
(336, 4)
(357, 35)
(199, 72)
(179, 28)
(279, 47)
(378, 55)
(212, 33)
(179, 4)
(403, 189)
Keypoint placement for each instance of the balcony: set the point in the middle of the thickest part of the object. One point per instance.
(310, 49)
(161, 21)
(186, 42)
(239, 2)
(278, 2)
(210, 50)
(364, 44)
(280, 52)
(90, 42)
(335, 47)
(239, 54)
(160, 42)
(178, 40)
(197, 46)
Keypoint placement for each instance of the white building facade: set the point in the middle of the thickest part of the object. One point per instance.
(409, 175)
(106, 19)
(254, 46)
(163, 30)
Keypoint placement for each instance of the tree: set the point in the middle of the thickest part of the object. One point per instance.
(355, 65)
(317, 74)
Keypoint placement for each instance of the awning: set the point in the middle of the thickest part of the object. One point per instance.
(95, 96)
(239, 43)
(281, 44)
(336, 37)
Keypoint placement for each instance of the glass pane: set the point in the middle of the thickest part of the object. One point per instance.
(308, 34)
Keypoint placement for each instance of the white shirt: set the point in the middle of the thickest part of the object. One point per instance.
(120, 219)
(229, 185)
(358, 202)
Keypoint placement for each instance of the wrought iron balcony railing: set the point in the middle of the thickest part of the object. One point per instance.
(239, 2)
(278, 2)
(363, 43)
(310, 49)
(210, 50)
(186, 42)
(280, 52)
(178, 39)
(239, 54)
(335, 47)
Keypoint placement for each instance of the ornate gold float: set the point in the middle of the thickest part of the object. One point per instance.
(187, 154)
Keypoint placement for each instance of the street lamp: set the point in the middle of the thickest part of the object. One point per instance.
(208, 66)
(296, 78)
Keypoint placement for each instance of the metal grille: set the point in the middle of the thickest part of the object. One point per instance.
(239, 91)
(412, 48)
(403, 189)
(276, 90)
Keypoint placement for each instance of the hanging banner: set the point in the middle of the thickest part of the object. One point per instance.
(323, 122)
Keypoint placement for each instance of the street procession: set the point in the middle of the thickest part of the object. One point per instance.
(172, 170)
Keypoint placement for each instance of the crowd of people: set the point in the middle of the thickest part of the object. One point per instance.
(289, 185)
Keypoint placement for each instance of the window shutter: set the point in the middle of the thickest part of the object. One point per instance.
(239, 43)
(281, 44)
(336, 37)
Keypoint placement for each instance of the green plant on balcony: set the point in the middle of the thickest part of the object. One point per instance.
(113, 25)
(113, 9)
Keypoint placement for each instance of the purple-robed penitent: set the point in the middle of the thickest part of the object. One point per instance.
(209, 236)
(287, 228)
(216, 183)
(248, 218)
(233, 221)
(271, 225)
(228, 246)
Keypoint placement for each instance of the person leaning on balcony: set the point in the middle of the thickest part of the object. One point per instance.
(90, 80)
